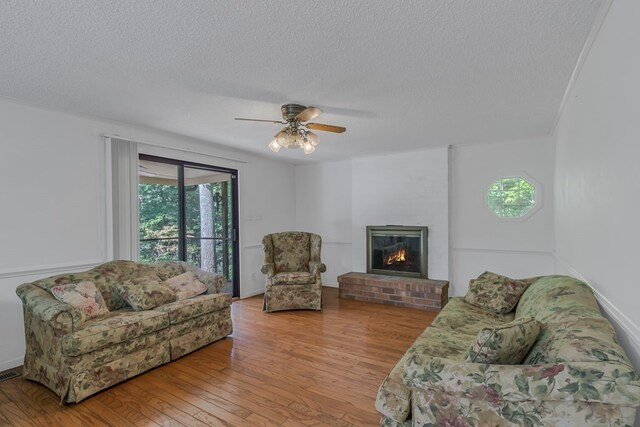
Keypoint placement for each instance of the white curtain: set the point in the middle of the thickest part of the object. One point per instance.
(122, 199)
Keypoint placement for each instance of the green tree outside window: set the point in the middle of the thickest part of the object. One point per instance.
(511, 197)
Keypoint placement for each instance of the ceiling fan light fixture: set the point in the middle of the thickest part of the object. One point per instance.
(312, 138)
(308, 148)
(274, 146)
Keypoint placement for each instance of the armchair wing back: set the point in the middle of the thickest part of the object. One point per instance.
(293, 266)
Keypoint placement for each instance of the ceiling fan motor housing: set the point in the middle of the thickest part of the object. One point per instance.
(290, 111)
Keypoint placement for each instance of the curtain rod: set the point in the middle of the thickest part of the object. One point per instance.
(116, 136)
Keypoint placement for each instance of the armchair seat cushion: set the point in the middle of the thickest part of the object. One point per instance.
(293, 278)
(116, 327)
(186, 309)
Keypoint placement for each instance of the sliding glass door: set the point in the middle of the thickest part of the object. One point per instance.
(189, 212)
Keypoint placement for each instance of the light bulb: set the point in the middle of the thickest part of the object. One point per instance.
(312, 138)
(281, 138)
(274, 146)
(308, 148)
(296, 140)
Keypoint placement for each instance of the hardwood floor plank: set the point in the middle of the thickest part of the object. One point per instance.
(293, 368)
(4, 398)
(204, 401)
(250, 401)
(138, 412)
(260, 421)
(12, 415)
(176, 409)
(96, 407)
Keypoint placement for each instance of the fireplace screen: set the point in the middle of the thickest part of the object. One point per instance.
(397, 250)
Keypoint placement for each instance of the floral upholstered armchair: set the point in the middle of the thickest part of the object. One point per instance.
(292, 265)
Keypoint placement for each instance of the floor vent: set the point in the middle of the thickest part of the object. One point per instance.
(8, 375)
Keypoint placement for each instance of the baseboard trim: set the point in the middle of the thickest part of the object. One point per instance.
(252, 293)
(632, 330)
(11, 364)
(626, 325)
(50, 268)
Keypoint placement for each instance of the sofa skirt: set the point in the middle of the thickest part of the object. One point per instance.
(205, 330)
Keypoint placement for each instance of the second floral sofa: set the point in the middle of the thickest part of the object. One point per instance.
(576, 373)
(76, 357)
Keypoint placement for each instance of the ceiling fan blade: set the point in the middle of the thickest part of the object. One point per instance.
(327, 128)
(308, 113)
(260, 120)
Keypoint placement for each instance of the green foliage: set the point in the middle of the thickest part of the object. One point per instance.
(159, 219)
(511, 197)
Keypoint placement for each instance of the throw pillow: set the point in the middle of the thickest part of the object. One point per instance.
(145, 295)
(186, 285)
(494, 292)
(84, 296)
(506, 344)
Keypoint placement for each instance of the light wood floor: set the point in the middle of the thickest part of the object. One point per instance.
(288, 368)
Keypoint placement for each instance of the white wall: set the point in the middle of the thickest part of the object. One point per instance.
(480, 240)
(409, 188)
(339, 199)
(597, 174)
(323, 206)
(52, 215)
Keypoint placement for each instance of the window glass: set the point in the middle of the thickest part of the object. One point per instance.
(511, 197)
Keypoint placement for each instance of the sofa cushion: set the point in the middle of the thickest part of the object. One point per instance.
(111, 273)
(144, 294)
(116, 327)
(185, 285)
(574, 330)
(293, 278)
(494, 292)
(466, 318)
(166, 270)
(506, 344)
(84, 296)
(291, 251)
(182, 310)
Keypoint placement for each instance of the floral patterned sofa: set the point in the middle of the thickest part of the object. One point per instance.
(576, 373)
(77, 358)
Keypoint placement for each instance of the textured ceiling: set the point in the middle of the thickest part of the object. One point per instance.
(400, 75)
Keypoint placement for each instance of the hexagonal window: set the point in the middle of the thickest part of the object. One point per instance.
(511, 197)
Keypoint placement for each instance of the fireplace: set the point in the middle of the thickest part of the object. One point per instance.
(397, 250)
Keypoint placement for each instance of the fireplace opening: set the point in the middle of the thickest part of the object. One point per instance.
(397, 250)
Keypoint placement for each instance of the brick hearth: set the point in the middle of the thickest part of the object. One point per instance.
(423, 294)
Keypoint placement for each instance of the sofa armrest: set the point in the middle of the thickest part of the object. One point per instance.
(41, 304)
(269, 269)
(316, 267)
(606, 382)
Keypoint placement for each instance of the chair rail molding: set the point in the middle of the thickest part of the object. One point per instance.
(50, 268)
(503, 251)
